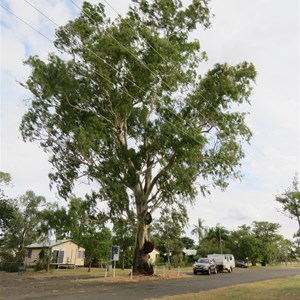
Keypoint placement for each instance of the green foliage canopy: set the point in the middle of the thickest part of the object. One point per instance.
(119, 112)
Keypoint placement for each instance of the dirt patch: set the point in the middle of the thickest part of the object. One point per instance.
(135, 278)
(84, 276)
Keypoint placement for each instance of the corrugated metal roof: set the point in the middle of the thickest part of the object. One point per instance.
(189, 252)
(48, 244)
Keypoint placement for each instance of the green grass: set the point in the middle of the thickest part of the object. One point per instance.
(287, 288)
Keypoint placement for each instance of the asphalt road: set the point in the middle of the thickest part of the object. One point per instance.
(78, 289)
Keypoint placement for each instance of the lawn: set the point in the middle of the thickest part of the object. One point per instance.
(287, 288)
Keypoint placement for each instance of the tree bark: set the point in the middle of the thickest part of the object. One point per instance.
(141, 264)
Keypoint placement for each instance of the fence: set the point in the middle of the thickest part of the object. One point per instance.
(161, 270)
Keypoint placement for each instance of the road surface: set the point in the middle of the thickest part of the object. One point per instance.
(66, 288)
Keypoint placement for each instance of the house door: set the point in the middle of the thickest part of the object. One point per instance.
(58, 256)
(61, 257)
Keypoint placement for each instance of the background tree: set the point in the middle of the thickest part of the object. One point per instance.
(23, 228)
(187, 242)
(167, 231)
(290, 201)
(5, 179)
(285, 251)
(97, 246)
(82, 222)
(199, 230)
(267, 235)
(6, 207)
(218, 236)
(128, 110)
(245, 245)
(124, 236)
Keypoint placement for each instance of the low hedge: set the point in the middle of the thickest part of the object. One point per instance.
(12, 267)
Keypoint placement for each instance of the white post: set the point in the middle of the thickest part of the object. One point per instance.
(105, 274)
(131, 274)
(114, 273)
(154, 270)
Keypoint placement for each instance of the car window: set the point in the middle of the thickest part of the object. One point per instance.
(203, 260)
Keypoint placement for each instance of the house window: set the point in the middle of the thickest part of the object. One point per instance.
(57, 257)
(80, 254)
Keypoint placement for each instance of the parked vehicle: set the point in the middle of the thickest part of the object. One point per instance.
(223, 261)
(241, 264)
(205, 265)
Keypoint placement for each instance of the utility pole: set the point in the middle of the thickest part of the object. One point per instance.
(220, 241)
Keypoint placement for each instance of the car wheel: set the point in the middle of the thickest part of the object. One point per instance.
(216, 271)
(208, 272)
(229, 270)
(195, 272)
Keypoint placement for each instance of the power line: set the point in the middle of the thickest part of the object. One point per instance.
(184, 132)
(26, 23)
(132, 54)
(42, 13)
(138, 59)
(114, 69)
(157, 52)
(125, 48)
(34, 7)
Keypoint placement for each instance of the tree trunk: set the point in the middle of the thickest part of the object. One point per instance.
(143, 247)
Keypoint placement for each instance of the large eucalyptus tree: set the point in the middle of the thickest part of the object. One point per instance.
(126, 108)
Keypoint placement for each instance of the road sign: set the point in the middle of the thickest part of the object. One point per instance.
(115, 253)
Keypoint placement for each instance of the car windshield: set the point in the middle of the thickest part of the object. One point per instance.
(203, 260)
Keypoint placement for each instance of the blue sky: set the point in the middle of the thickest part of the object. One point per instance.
(265, 32)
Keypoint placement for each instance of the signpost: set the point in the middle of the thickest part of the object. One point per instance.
(115, 255)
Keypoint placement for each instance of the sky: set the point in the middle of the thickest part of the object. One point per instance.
(264, 32)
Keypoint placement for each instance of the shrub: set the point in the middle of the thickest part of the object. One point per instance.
(11, 267)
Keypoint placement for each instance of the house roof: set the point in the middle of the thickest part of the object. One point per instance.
(48, 244)
(189, 252)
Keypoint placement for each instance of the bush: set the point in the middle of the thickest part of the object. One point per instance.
(12, 267)
(40, 265)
